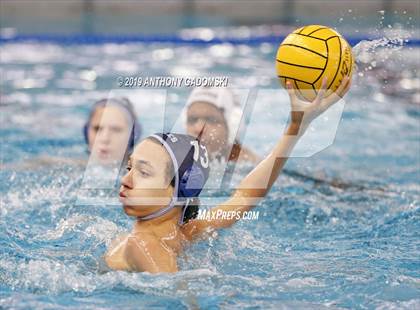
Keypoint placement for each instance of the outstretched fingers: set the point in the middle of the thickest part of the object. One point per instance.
(336, 96)
(321, 92)
(346, 87)
(343, 86)
(290, 90)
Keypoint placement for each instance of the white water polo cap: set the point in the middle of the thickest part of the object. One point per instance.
(226, 101)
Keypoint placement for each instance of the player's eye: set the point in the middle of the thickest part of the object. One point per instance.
(144, 173)
(116, 129)
(212, 120)
(192, 119)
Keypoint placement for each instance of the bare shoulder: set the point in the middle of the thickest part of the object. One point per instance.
(114, 257)
(126, 246)
(143, 239)
(148, 253)
(116, 243)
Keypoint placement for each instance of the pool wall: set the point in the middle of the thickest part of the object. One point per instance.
(95, 16)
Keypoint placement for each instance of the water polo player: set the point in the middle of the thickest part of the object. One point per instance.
(110, 133)
(216, 114)
(167, 172)
(111, 130)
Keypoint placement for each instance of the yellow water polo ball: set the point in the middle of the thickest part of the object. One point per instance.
(309, 54)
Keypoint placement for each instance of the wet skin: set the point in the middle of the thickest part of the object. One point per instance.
(154, 245)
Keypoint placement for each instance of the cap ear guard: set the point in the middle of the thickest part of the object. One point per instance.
(192, 182)
(189, 211)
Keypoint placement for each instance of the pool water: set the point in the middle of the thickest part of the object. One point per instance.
(315, 245)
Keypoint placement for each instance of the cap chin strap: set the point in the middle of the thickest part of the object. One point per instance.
(174, 203)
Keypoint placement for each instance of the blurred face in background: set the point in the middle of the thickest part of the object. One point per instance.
(203, 116)
(108, 134)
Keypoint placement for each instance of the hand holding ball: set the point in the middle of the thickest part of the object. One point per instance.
(311, 53)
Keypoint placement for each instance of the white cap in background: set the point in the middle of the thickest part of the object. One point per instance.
(226, 101)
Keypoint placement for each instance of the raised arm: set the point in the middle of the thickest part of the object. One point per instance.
(260, 180)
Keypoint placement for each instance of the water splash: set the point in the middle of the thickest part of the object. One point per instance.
(365, 50)
(313, 242)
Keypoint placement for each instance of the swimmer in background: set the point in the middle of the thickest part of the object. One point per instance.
(215, 113)
(166, 173)
(111, 131)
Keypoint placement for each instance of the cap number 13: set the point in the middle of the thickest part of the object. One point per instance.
(204, 160)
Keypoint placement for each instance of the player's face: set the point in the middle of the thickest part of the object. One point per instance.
(145, 188)
(108, 134)
(202, 116)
